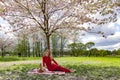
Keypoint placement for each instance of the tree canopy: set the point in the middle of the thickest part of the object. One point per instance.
(52, 16)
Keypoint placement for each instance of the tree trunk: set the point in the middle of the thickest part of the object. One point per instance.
(61, 48)
(48, 42)
(41, 48)
(45, 12)
(28, 49)
(2, 52)
(33, 52)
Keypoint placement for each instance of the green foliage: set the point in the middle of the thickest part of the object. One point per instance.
(89, 45)
(58, 49)
(36, 49)
(58, 44)
(76, 48)
(23, 47)
(80, 49)
(117, 52)
(55, 44)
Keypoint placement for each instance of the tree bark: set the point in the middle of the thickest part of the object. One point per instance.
(45, 13)
(61, 48)
(48, 42)
(2, 49)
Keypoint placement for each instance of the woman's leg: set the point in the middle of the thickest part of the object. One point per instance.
(60, 68)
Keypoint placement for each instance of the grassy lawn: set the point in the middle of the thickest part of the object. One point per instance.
(96, 61)
(87, 68)
(15, 58)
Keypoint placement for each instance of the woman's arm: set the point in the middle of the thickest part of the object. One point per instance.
(43, 63)
(54, 61)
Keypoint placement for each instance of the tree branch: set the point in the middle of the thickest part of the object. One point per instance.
(28, 9)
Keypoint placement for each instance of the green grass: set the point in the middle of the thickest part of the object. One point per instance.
(87, 68)
(97, 61)
(15, 58)
(101, 61)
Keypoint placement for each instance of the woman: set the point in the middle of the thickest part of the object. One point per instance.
(51, 64)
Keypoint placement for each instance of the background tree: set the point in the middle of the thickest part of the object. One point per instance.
(5, 42)
(63, 43)
(93, 52)
(23, 46)
(36, 45)
(117, 52)
(58, 43)
(76, 48)
(55, 44)
(89, 45)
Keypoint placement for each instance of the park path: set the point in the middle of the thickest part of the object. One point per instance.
(8, 64)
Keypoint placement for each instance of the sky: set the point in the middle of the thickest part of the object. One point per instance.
(110, 43)
(5, 28)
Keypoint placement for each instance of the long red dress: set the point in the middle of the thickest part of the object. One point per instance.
(52, 65)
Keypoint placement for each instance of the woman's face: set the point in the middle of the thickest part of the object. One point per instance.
(48, 53)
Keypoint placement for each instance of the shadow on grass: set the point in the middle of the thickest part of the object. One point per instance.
(83, 72)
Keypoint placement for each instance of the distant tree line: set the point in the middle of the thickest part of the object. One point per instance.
(59, 47)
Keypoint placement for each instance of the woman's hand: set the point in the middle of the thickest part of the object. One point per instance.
(40, 70)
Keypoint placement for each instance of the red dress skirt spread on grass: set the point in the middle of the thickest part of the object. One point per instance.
(52, 65)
